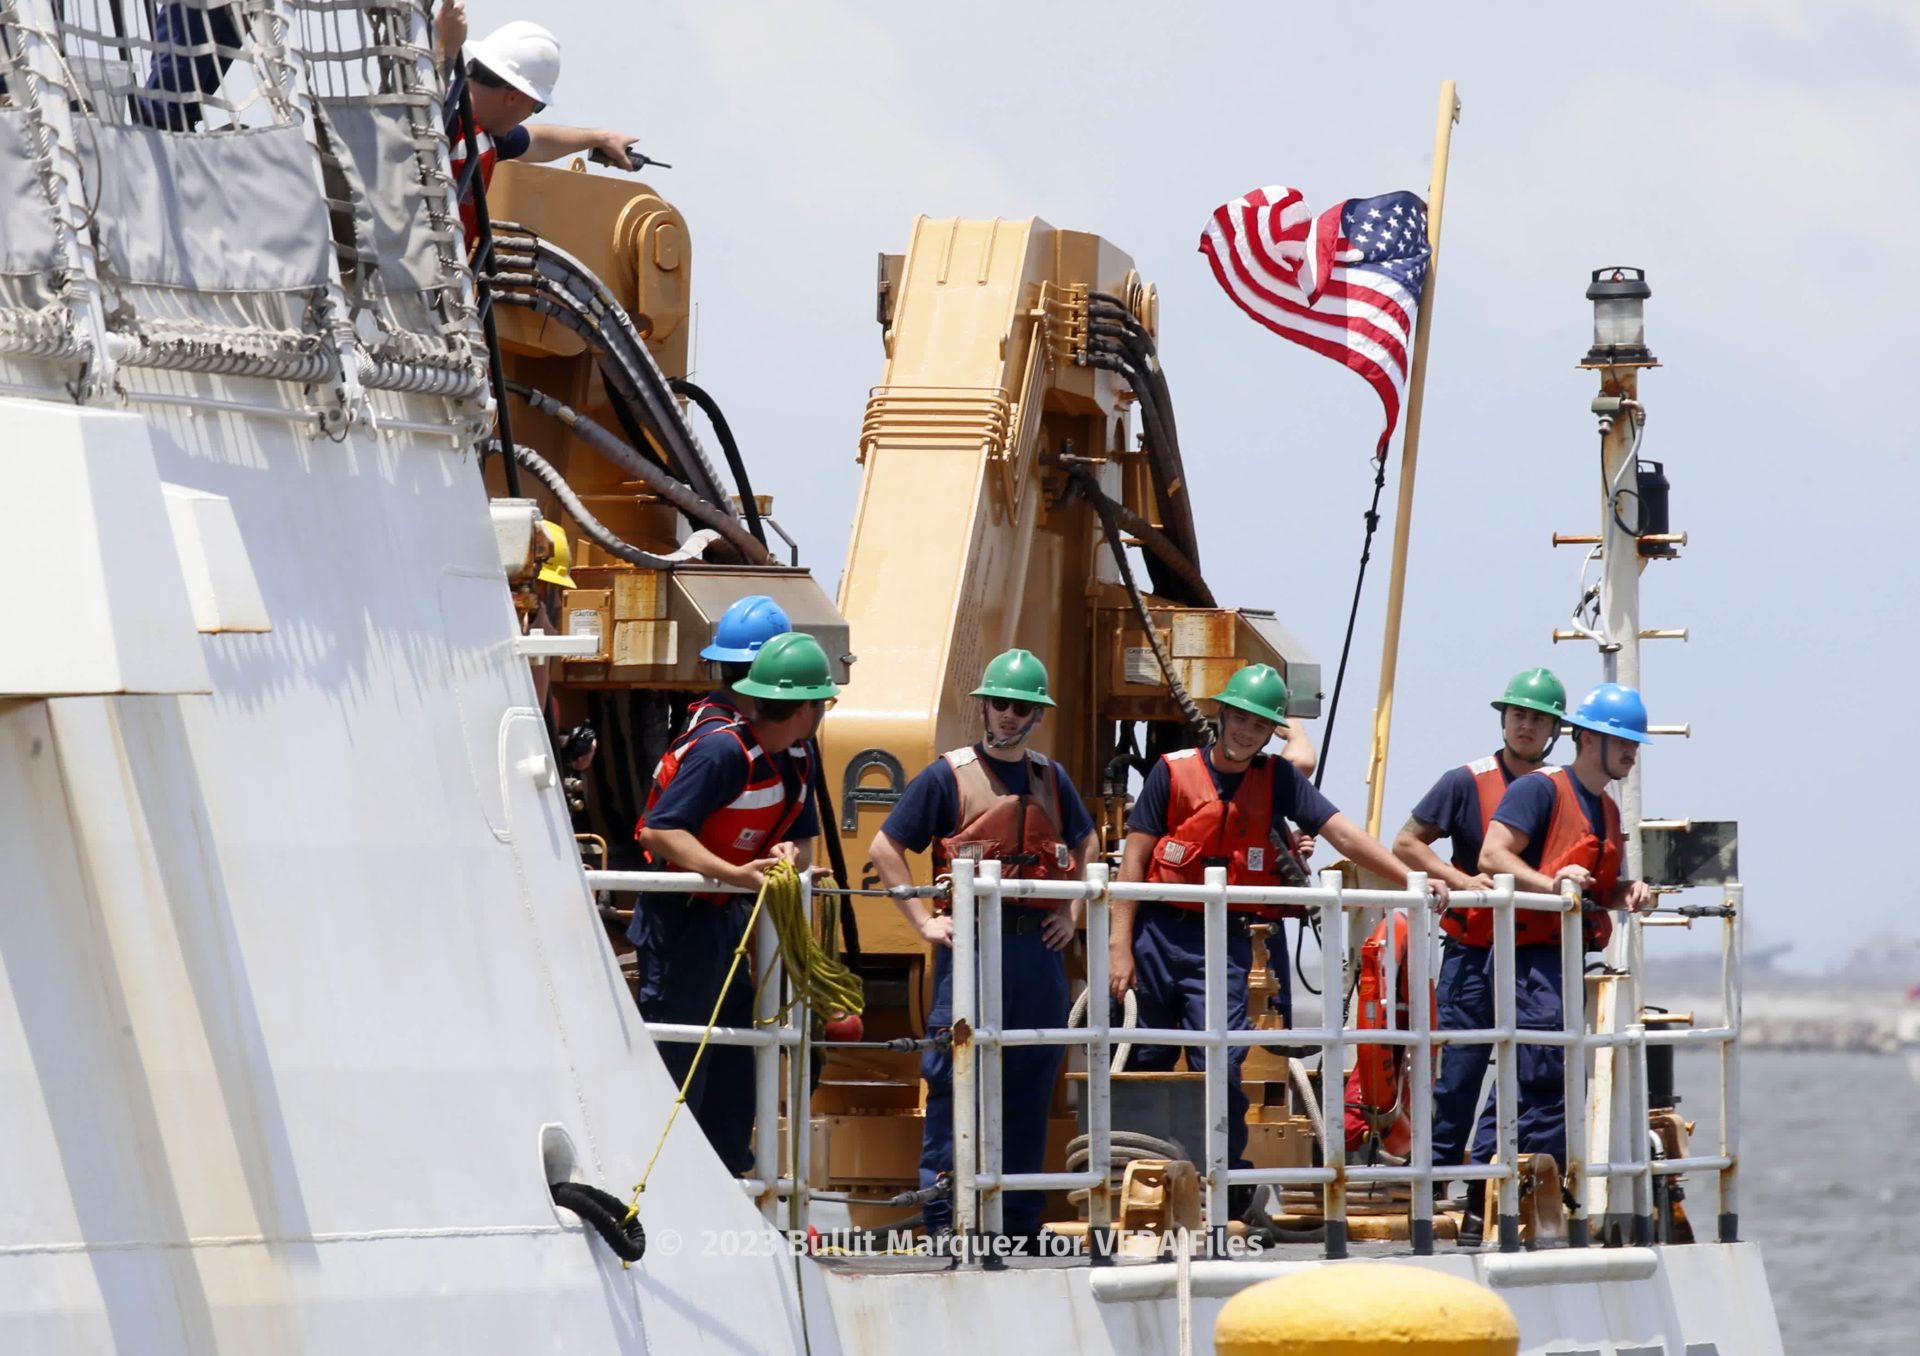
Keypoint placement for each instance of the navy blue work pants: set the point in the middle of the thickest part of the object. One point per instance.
(1170, 983)
(1464, 997)
(1033, 993)
(684, 948)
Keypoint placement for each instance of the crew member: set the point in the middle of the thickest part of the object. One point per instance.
(511, 74)
(1559, 824)
(577, 745)
(556, 573)
(1227, 804)
(728, 801)
(996, 800)
(1458, 808)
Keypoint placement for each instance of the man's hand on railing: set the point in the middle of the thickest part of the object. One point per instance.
(1437, 892)
(938, 929)
(1056, 929)
(1637, 897)
(751, 875)
(1575, 873)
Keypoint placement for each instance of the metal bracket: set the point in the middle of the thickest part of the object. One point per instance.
(853, 795)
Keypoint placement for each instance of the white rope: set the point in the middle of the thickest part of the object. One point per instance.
(1129, 1018)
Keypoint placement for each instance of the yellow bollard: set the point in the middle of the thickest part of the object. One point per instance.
(1366, 1309)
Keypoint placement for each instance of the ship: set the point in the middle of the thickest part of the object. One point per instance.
(316, 1030)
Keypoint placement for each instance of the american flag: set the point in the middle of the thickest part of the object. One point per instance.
(1345, 284)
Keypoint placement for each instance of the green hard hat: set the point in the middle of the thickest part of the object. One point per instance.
(790, 667)
(1537, 690)
(1258, 690)
(1017, 675)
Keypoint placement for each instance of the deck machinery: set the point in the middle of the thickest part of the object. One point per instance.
(1023, 485)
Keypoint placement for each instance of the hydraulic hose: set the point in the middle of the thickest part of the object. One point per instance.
(543, 296)
(657, 480)
(1169, 486)
(1111, 321)
(1104, 312)
(1151, 538)
(587, 293)
(543, 471)
(1201, 725)
(749, 506)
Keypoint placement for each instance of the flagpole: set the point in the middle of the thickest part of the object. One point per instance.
(1403, 511)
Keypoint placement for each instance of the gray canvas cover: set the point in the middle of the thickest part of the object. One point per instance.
(227, 211)
(26, 218)
(376, 148)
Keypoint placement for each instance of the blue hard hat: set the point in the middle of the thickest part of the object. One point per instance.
(1611, 709)
(744, 628)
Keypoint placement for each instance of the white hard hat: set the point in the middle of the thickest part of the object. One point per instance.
(523, 54)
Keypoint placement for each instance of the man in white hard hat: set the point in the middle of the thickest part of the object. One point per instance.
(511, 74)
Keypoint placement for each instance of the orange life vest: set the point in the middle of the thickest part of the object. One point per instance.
(1203, 830)
(1379, 1094)
(755, 819)
(1570, 841)
(1024, 833)
(1475, 926)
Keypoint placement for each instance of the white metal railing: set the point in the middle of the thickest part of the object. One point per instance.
(978, 895)
(771, 1033)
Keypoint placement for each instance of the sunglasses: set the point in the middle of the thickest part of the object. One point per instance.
(1009, 704)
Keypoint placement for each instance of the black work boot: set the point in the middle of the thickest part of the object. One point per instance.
(1473, 1225)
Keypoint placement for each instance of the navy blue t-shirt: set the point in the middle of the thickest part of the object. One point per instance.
(1294, 797)
(1528, 808)
(1452, 805)
(930, 806)
(712, 772)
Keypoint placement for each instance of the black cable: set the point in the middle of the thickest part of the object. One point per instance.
(629, 422)
(1201, 725)
(1152, 539)
(749, 506)
(617, 1224)
(482, 264)
(836, 854)
(675, 492)
(1353, 615)
(1639, 513)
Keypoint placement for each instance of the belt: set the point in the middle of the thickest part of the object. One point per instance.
(1022, 919)
(1237, 923)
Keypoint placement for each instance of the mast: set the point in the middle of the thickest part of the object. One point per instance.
(1448, 115)
(1630, 534)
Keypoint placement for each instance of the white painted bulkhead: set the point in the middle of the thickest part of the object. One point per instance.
(293, 974)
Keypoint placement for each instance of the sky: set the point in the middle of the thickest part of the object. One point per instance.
(1754, 156)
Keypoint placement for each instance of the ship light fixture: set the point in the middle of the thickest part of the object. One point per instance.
(1619, 296)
